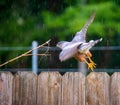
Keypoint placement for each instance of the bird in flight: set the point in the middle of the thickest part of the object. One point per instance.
(78, 47)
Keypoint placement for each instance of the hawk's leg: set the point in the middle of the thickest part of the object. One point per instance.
(81, 58)
(89, 55)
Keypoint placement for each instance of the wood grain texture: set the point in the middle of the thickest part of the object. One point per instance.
(25, 88)
(73, 89)
(97, 89)
(6, 86)
(115, 89)
(49, 88)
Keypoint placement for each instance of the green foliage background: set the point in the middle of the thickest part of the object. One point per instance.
(21, 22)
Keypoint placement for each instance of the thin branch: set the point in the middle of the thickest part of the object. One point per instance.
(47, 42)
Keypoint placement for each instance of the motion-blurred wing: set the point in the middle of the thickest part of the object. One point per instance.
(62, 44)
(68, 51)
(81, 35)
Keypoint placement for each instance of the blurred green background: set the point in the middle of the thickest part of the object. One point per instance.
(22, 21)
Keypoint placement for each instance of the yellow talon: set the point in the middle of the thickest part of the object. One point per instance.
(91, 65)
(91, 60)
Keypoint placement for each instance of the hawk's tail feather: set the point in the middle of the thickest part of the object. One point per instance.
(99, 40)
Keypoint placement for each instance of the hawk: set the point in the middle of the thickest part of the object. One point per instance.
(78, 47)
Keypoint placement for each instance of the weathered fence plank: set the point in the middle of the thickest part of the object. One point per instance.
(6, 86)
(49, 88)
(115, 89)
(73, 89)
(25, 89)
(97, 89)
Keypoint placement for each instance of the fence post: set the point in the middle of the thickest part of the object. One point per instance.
(34, 57)
(82, 68)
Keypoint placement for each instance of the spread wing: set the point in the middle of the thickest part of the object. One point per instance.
(62, 44)
(81, 35)
(68, 51)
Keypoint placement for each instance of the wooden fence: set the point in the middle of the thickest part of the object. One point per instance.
(50, 88)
